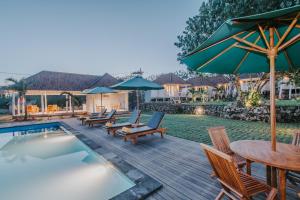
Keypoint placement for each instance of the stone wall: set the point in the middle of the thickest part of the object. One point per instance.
(283, 114)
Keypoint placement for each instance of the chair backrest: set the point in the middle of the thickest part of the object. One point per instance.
(134, 117)
(220, 139)
(111, 114)
(224, 168)
(296, 138)
(103, 111)
(155, 120)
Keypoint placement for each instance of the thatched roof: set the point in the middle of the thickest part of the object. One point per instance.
(49, 80)
(169, 78)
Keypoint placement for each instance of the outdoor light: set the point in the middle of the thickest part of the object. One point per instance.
(199, 110)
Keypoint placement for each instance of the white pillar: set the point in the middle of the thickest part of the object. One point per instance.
(13, 104)
(23, 105)
(290, 91)
(42, 104)
(67, 103)
(70, 103)
(46, 103)
(18, 106)
(280, 91)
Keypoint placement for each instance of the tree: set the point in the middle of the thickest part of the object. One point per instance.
(213, 13)
(74, 99)
(20, 87)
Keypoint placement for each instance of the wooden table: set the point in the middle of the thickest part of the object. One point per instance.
(287, 157)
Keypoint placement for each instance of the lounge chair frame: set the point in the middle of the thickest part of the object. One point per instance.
(112, 130)
(134, 136)
(91, 122)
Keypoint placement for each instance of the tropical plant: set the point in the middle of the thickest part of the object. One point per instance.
(294, 77)
(253, 98)
(20, 86)
(201, 93)
(213, 13)
(75, 100)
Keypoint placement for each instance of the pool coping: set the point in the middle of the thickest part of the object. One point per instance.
(144, 184)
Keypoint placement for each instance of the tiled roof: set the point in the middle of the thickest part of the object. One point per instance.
(49, 80)
(169, 78)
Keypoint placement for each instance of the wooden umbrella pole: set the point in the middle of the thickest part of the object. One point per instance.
(272, 55)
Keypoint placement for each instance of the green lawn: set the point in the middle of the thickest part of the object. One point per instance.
(193, 127)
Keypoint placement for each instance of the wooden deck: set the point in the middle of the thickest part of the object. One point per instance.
(178, 164)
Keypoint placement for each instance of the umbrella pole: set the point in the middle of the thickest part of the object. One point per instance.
(137, 100)
(272, 54)
(101, 102)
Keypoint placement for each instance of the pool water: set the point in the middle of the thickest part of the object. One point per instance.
(44, 162)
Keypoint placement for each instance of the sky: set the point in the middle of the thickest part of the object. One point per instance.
(91, 36)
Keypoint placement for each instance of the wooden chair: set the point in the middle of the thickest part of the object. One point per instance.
(221, 142)
(294, 177)
(236, 184)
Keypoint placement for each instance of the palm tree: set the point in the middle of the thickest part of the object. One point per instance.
(74, 99)
(19, 86)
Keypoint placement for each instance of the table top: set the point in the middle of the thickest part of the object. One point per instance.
(287, 156)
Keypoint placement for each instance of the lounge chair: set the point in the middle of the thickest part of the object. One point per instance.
(236, 184)
(221, 142)
(294, 177)
(93, 116)
(133, 120)
(101, 120)
(151, 128)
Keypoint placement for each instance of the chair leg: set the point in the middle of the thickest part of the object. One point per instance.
(134, 140)
(161, 134)
(220, 195)
(248, 167)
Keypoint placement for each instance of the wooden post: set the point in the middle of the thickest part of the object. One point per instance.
(272, 53)
(272, 102)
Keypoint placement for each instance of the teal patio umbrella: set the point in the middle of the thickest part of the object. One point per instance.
(266, 42)
(137, 83)
(98, 90)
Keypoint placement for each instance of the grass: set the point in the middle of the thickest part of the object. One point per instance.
(194, 127)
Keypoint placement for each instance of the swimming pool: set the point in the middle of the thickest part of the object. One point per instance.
(46, 162)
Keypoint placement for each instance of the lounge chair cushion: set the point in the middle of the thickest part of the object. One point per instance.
(134, 116)
(120, 125)
(155, 120)
(136, 130)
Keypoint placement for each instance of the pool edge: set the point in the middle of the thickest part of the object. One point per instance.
(144, 184)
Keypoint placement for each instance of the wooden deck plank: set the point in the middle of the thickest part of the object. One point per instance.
(178, 164)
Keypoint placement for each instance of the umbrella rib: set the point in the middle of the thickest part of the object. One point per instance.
(250, 49)
(290, 42)
(216, 43)
(293, 23)
(285, 52)
(245, 57)
(263, 35)
(224, 51)
(250, 44)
